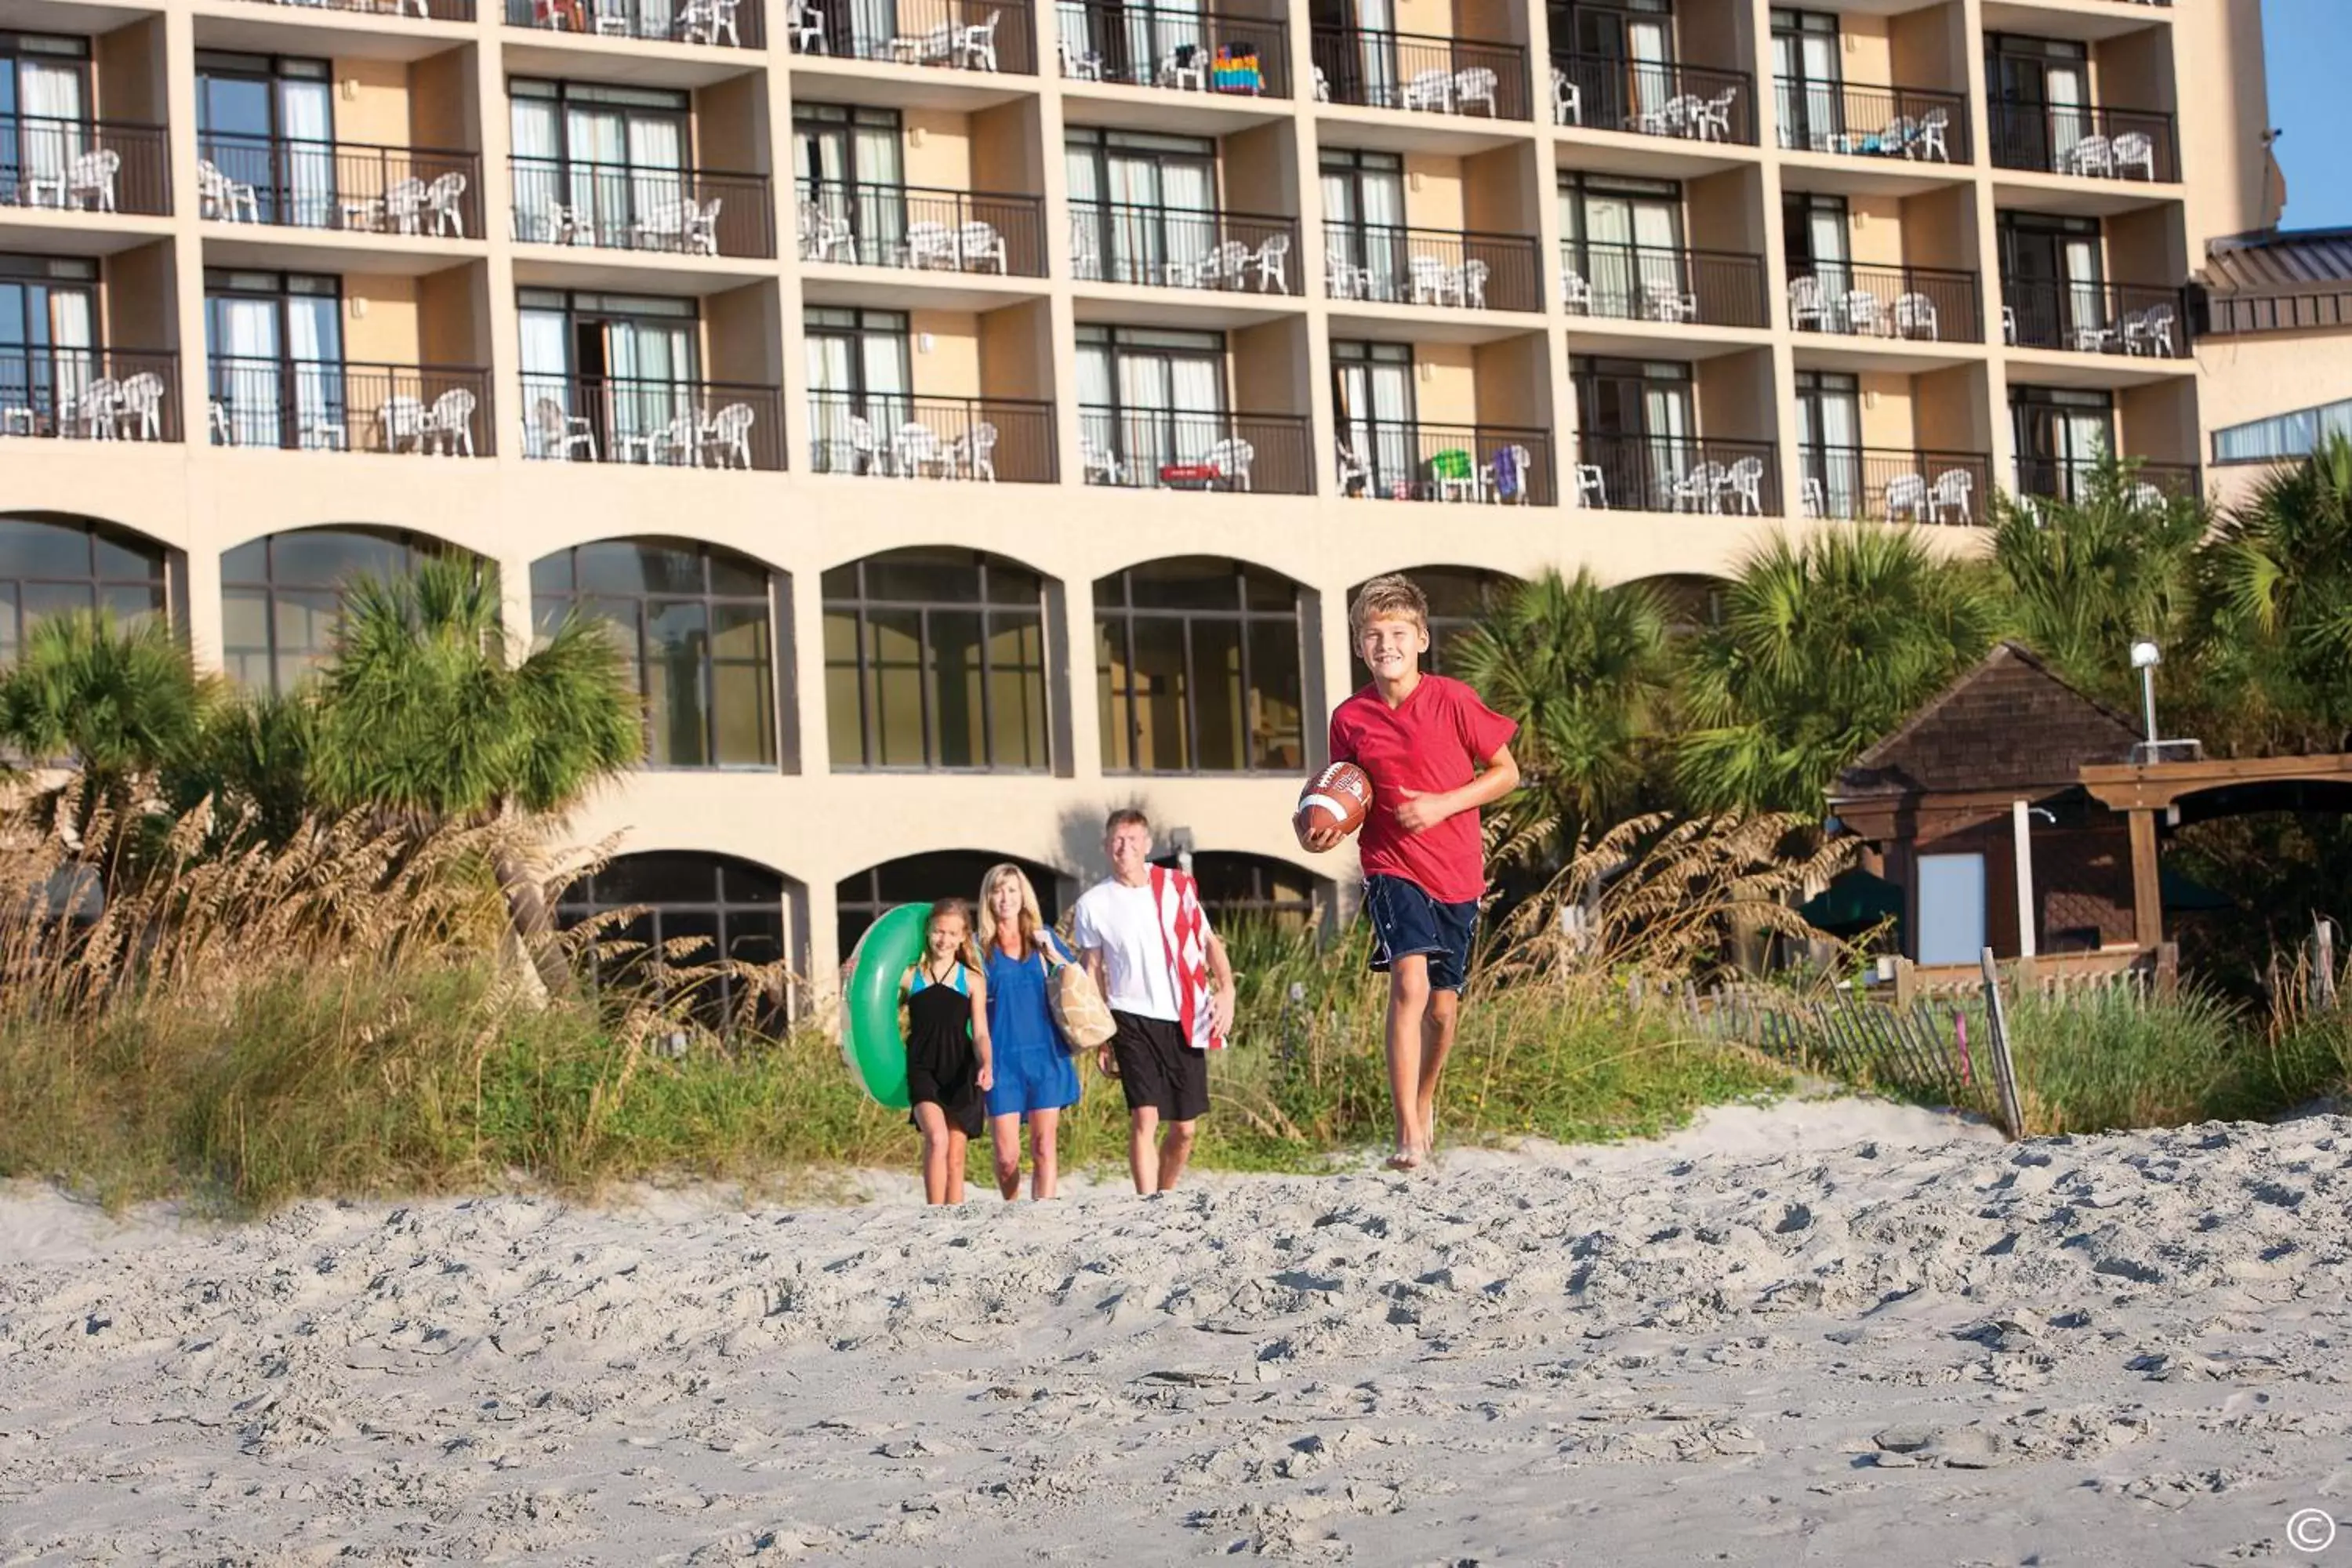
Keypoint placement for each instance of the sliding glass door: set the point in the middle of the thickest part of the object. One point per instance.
(277, 368)
(629, 364)
(1371, 394)
(859, 368)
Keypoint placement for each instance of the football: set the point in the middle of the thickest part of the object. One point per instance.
(1338, 796)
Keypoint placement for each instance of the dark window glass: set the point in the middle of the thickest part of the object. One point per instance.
(1198, 669)
(935, 659)
(282, 595)
(737, 907)
(861, 900)
(54, 564)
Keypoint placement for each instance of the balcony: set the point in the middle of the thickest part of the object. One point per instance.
(2075, 481)
(431, 10)
(1915, 304)
(89, 395)
(1408, 70)
(1113, 242)
(1383, 459)
(1169, 449)
(668, 424)
(1202, 50)
(2096, 143)
(928, 230)
(1860, 121)
(618, 206)
(346, 185)
(724, 24)
(1872, 484)
(82, 165)
(1430, 266)
(304, 406)
(1657, 283)
(946, 34)
(1678, 473)
(1648, 98)
(2094, 318)
(891, 436)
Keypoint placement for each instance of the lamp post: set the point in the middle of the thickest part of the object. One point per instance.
(2145, 657)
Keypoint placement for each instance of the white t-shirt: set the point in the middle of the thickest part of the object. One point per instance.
(1124, 922)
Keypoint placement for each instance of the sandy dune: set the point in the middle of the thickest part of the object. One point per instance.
(1757, 1344)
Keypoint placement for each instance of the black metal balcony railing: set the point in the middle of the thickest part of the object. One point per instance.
(898, 435)
(339, 184)
(618, 206)
(1432, 75)
(341, 406)
(2095, 318)
(1430, 266)
(89, 395)
(1383, 459)
(907, 226)
(2077, 139)
(1868, 122)
(1115, 242)
(2075, 480)
(1651, 97)
(1872, 484)
(1678, 473)
(950, 35)
(725, 24)
(1207, 49)
(428, 10)
(671, 423)
(85, 165)
(1929, 304)
(1658, 283)
(1166, 448)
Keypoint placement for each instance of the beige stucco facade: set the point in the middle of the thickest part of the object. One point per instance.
(404, 80)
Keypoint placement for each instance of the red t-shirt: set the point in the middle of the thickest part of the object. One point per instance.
(1431, 742)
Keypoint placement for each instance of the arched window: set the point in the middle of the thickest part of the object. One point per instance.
(1237, 886)
(281, 594)
(737, 906)
(935, 659)
(1459, 598)
(1198, 665)
(863, 899)
(698, 622)
(1694, 602)
(51, 564)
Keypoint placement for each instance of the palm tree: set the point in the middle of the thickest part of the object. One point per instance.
(2276, 611)
(1584, 669)
(2083, 579)
(423, 713)
(121, 704)
(1824, 646)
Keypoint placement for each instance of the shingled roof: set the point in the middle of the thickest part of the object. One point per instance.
(2278, 280)
(2008, 724)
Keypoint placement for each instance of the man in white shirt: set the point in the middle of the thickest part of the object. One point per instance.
(1117, 925)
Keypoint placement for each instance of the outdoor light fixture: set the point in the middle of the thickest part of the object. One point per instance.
(2145, 657)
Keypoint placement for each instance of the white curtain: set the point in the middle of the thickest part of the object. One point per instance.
(881, 218)
(52, 132)
(872, 24)
(1144, 404)
(2086, 301)
(1094, 420)
(882, 358)
(1197, 391)
(1657, 230)
(1665, 414)
(546, 372)
(656, 165)
(1375, 24)
(251, 377)
(1836, 451)
(1653, 80)
(598, 151)
(538, 178)
(1188, 191)
(2069, 121)
(1382, 193)
(313, 345)
(830, 385)
(70, 339)
(1609, 238)
(306, 112)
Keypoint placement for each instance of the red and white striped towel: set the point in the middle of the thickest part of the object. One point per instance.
(1184, 936)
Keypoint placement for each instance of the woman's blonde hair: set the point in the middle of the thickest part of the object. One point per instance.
(1031, 920)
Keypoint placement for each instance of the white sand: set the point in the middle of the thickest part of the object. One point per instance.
(1835, 1334)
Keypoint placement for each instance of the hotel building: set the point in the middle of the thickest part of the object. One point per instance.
(973, 415)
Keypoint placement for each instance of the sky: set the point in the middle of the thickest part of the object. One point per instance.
(2308, 47)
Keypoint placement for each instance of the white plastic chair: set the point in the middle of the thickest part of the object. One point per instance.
(1931, 139)
(822, 233)
(1342, 279)
(980, 452)
(980, 243)
(1575, 293)
(917, 448)
(807, 29)
(975, 45)
(1274, 263)
(2150, 330)
(1567, 100)
(89, 179)
(661, 226)
(866, 454)
(1186, 70)
(1100, 467)
(1471, 284)
(138, 407)
(1353, 471)
(717, 16)
(399, 420)
(2133, 149)
(2144, 497)
(930, 245)
(1432, 90)
(1695, 491)
(702, 226)
(1915, 317)
(1865, 313)
(2090, 155)
(1951, 493)
(1591, 481)
(1086, 260)
(219, 196)
(1711, 117)
(1668, 303)
(1745, 482)
(1807, 303)
(449, 423)
(1322, 86)
(404, 206)
(1475, 85)
(560, 434)
(1232, 458)
(1429, 284)
(727, 436)
(444, 198)
(1906, 496)
(1077, 66)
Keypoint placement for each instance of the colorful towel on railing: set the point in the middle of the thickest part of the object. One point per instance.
(1506, 473)
(1453, 463)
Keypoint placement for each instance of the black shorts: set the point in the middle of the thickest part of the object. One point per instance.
(1158, 1068)
(1407, 922)
(965, 1105)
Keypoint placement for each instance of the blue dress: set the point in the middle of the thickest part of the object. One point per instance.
(1031, 1071)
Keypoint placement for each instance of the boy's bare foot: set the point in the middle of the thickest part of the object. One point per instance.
(1407, 1159)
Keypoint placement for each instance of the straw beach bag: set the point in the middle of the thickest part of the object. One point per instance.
(1077, 1006)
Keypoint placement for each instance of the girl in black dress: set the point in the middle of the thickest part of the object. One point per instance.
(945, 995)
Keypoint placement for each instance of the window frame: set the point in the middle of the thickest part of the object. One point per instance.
(13, 584)
(571, 909)
(860, 608)
(414, 547)
(1123, 613)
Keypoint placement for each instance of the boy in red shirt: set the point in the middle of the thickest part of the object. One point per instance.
(1424, 740)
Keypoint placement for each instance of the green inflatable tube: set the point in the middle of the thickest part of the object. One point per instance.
(871, 1046)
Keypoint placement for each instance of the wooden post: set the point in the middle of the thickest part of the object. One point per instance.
(2147, 891)
(1906, 982)
(2021, 831)
(2323, 960)
(2004, 1066)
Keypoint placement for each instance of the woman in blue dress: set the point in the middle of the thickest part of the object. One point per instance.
(1034, 1079)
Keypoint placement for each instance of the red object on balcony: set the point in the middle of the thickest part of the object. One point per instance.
(1190, 476)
